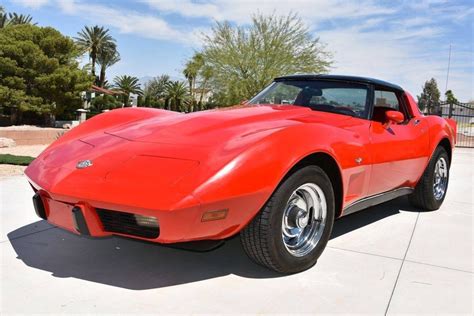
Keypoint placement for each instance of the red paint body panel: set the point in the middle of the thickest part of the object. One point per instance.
(176, 167)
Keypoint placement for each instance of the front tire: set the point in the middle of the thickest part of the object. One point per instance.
(431, 189)
(291, 231)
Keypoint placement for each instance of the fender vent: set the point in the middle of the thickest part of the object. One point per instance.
(129, 223)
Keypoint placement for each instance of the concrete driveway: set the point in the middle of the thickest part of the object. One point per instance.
(387, 259)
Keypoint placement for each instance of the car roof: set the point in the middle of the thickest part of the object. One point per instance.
(341, 78)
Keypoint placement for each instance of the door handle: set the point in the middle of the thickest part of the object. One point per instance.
(416, 122)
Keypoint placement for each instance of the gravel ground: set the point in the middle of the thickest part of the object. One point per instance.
(30, 150)
(11, 170)
(25, 127)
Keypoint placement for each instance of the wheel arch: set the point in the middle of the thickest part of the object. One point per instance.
(329, 165)
(446, 144)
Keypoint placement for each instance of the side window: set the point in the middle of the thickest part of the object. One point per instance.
(386, 99)
(351, 101)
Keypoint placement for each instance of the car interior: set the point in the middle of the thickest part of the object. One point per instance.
(386, 101)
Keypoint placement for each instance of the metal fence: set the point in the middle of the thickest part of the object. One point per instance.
(463, 114)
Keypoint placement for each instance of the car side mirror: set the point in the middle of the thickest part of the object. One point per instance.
(394, 117)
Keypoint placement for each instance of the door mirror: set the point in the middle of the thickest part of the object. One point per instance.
(394, 117)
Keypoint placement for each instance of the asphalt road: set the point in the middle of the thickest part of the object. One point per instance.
(387, 259)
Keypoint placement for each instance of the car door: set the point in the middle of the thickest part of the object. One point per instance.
(398, 151)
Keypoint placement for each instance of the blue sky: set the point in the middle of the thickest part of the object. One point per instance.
(405, 42)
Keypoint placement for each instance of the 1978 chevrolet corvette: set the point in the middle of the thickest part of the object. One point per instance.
(277, 170)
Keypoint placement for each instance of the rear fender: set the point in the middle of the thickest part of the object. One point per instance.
(454, 127)
(439, 129)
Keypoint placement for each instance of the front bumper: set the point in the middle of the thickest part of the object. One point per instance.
(99, 219)
(83, 218)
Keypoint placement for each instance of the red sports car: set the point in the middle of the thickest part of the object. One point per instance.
(277, 170)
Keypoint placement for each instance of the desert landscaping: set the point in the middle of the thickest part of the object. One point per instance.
(24, 140)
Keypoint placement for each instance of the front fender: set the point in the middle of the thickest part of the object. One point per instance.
(247, 181)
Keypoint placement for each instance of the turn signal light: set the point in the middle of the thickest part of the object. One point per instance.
(147, 221)
(214, 215)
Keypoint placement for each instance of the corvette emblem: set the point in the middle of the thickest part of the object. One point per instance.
(84, 164)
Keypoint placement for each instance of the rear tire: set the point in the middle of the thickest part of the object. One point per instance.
(431, 190)
(291, 231)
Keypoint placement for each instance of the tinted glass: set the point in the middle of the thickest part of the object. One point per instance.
(386, 99)
(328, 96)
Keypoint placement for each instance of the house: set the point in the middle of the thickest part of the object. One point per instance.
(205, 93)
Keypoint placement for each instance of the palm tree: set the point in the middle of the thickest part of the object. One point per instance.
(3, 18)
(94, 40)
(206, 74)
(7, 19)
(156, 87)
(127, 85)
(16, 19)
(191, 72)
(177, 93)
(155, 90)
(106, 58)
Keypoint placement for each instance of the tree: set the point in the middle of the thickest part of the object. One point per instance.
(106, 58)
(127, 85)
(450, 98)
(246, 59)
(39, 72)
(155, 90)
(198, 73)
(205, 75)
(104, 102)
(16, 19)
(7, 19)
(3, 18)
(428, 101)
(191, 72)
(94, 40)
(177, 94)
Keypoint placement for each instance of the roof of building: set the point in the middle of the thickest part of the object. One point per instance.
(340, 78)
(104, 91)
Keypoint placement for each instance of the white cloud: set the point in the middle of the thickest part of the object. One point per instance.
(240, 11)
(384, 55)
(406, 43)
(33, 4)
(367, 38)
(130, 22)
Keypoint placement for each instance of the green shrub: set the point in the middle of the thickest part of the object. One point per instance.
(15, 160)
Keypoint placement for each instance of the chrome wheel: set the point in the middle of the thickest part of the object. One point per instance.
(440, 182)
(304, 219)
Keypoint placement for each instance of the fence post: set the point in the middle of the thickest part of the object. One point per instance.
(450, 113)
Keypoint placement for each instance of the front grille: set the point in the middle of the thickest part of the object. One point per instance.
(129, 223)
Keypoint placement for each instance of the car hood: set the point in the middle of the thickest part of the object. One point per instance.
(208, 128)
(163, 150)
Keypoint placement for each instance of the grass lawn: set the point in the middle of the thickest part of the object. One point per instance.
(15, 160)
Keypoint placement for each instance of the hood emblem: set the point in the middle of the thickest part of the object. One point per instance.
(84, 164)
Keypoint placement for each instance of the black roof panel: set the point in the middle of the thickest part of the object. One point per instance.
(341, 78)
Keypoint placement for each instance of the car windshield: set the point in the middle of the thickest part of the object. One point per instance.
(328, 96)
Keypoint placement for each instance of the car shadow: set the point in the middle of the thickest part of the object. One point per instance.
(371, 215)
(136, 265)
